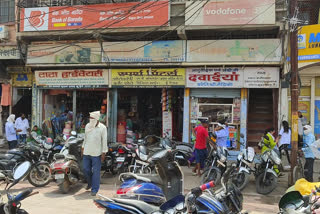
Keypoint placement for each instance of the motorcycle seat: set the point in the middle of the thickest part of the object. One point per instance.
(149, 178)
(146, 208)
(6, 156)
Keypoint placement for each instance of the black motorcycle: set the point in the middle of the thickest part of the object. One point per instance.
(110, 164)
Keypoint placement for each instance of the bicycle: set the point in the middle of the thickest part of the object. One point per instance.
(298, 170)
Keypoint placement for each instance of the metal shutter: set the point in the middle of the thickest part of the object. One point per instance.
(215, 92)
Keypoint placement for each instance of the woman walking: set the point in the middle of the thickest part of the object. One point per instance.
(284, 139)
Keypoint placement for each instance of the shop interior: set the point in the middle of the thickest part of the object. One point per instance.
(22, 102)
(58, 110)
(140, 113)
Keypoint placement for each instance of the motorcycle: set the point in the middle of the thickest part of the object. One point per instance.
(110, 164)
(13, 204)
(67, 168)
(39, 175)
(266, 176)
(154, 188)
(215, 165)
(228, 199)
(183, 152)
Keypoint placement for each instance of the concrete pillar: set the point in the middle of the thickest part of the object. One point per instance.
(113, 114)
(243, 115)
(312, 102)
(186, 116)
(34, 106)
(74, 109)
(284, 105)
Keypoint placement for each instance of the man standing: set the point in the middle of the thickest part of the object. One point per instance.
(202, 137)
(222, 135)
(11, 134)
(308, 139)
(22, 125)
(94, 149)
(302, 121)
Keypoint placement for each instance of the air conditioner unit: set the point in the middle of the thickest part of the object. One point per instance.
(4, 32)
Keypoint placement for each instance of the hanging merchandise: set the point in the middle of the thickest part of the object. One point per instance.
(164, 99)
(121, 134)
(6, 95)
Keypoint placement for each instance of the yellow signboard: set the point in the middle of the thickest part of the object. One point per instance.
(22, 80)
(148, 78)
(309, 43)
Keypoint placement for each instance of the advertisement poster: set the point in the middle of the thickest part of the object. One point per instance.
(22, 80)
(309, 43)
(148, 78)
(231, 12)
(147, 51)
(261, 77)
(63, 53)
(248, 50)
(88, 78)
(167, 124)
(317, 119)
(114, 15)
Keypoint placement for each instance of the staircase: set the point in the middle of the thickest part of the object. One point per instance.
(260, 115)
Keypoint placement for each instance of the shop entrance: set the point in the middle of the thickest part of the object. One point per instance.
(22, 102)
(143, 112)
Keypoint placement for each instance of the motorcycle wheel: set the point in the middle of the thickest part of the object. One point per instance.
(268, 186)
(40, 179)
(64, 187)
(211, 175)
(240, 180)
(114, 170)
(298, 173)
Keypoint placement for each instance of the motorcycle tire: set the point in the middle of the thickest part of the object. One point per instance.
(64, 187)
(40, 180)
(22, 211)
(268, 186)
(240, 180)
(215, 175)
(298, 172)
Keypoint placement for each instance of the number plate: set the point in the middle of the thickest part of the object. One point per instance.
(120, 159)
(59, 176)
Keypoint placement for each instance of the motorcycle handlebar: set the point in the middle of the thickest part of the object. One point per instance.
(22, 195)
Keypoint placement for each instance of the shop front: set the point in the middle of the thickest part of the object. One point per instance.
(222, 95)
(149, 102)
(64, 98)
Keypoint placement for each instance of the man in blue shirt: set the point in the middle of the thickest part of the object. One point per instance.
(11, 133)
(308, 139)
(222, 135)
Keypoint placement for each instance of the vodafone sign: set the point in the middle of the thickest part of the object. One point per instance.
(231, 12)
(130, 14)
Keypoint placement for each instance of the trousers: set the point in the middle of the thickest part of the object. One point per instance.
(92, 168)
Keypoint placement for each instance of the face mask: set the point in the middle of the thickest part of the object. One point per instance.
(306, 132)
(92, 121)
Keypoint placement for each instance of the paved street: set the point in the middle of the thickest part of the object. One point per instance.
(50, 200)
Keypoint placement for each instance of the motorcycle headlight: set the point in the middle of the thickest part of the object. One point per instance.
(223, 158)
(143, 156)
(264, 156)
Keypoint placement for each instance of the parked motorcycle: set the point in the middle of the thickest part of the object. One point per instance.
(13, 203)
(154, 188)
(39, 175)
(215, 166)
(67, 167)
(110, 164)
(227, 199)
(183, 152)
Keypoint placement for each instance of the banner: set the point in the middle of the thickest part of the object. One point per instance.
(114, 15)
(230, 12)
(9, 52)
(248, 50)
(63, 53)
(309, 43)
(22, 80)
(233, 77)
(148, 78)
(90, 78)
(147, 51)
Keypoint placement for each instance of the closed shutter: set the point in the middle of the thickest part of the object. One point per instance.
(215, 92)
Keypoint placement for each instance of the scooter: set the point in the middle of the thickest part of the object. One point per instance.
(154, 188)
(66, 168)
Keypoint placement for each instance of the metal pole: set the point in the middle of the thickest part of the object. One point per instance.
(294, 91)
(74, 109)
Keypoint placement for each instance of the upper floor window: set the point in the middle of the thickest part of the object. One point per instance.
(309, 11)
(7, 11)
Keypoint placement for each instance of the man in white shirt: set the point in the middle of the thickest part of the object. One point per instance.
(22, 125)
(302, 121)
(94, 149)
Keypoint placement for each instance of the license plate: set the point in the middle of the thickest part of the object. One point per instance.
(59, 176)
(120, 159)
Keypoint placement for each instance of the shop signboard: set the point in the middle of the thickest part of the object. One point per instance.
(146, 51)
(22, 79)
(148, 78)
(82, 78)
(113, 15)
(233, 77)
(230, 12)
(249, 50)
(317, 119)
(309, 43)
(9, 52)
(63, 53)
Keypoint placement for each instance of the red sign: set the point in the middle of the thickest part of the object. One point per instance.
(131, 14)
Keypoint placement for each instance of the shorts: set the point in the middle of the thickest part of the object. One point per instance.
(201, 155)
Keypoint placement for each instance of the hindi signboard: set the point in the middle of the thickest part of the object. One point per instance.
(89, 78)
(233, 77)
(148, 78)
(113, 15)
(9, 52)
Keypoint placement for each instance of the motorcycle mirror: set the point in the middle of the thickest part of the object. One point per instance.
(20, 172)
(242, 135)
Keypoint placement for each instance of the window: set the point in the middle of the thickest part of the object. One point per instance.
(7, 11)
(216, 112)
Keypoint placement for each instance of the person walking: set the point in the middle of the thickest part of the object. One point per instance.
(94, 149)
(308, 139)
(284, 139)
(11, 133)
(22, 124)
(302, 121)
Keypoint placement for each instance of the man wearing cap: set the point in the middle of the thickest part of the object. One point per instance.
(94, 149)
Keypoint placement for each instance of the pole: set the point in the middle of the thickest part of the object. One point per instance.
(294, 91)
(74, 109)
